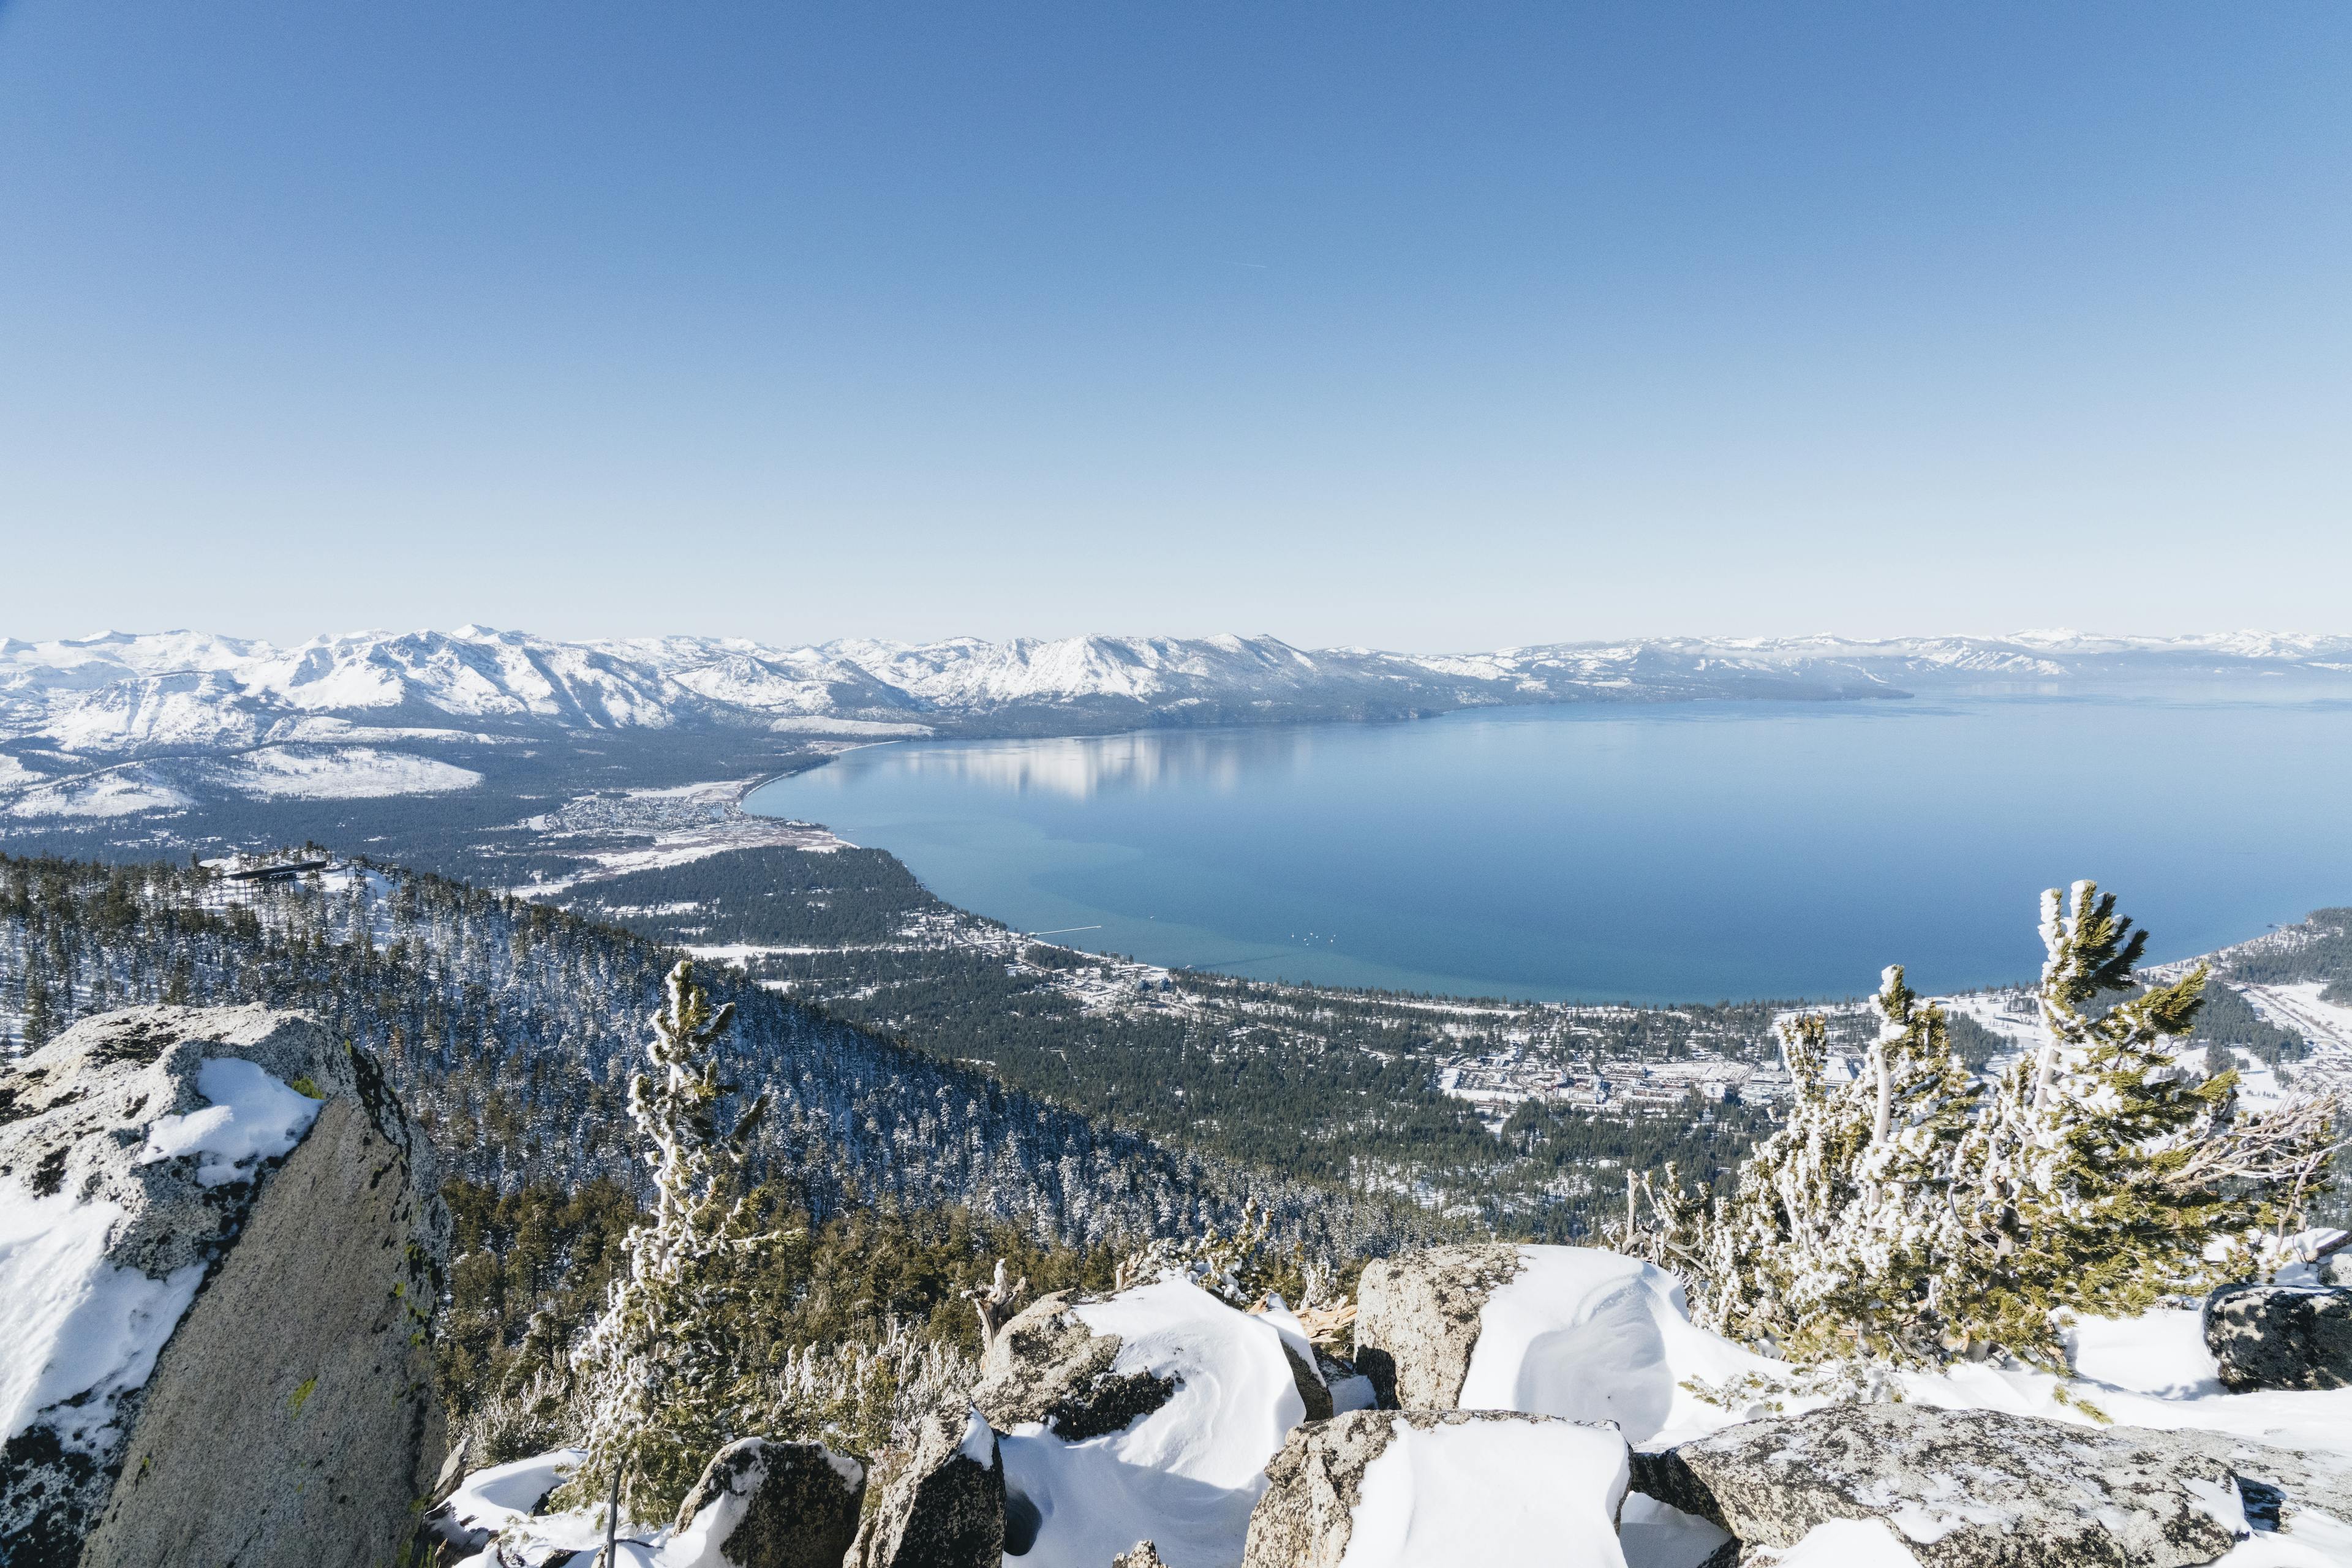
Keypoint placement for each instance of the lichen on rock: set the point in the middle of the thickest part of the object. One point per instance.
(1048, 1365)
(942, 1503)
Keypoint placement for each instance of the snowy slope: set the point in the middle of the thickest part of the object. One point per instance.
(121, 693)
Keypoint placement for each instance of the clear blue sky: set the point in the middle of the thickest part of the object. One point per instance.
(1424, 326)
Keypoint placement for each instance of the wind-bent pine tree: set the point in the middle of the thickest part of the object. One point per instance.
(663, 1385)
(1911, 1214)
(2089, 1184)
(1834, 1240)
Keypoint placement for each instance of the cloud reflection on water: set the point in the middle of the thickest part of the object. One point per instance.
(1083, 767)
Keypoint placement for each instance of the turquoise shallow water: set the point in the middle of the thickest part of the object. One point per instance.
(1647, 853)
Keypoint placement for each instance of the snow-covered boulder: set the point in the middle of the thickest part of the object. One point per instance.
(1570, 1331)
(1461, 1489)
(1969, 1488)
(1147, 1416)
(762, 1504)
(1049, 1365)
(219, 1253)
(942, 1504)
(1417, 1320)
(2280, 1336)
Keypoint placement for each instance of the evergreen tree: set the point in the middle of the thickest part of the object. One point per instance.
(1908, 1216)
(2100, 1171)
(1840, 1230)
(660, 1369)
(39, 1020)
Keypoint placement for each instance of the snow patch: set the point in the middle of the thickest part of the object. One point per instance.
(1589, 1335)
(503, 1500)
(979, 1444)
(253, 1116)
(1488, 1492)
(2313, 1540)
(2160, 1354)
(343, 772)
(702, 1543)
(1654, 1534)
(1849, 1544)
(112, 793)
(72, 1325)
(497, 1497)
(1187, 1475)
(2222, 1504)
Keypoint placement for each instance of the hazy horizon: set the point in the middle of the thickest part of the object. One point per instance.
(2029, 636)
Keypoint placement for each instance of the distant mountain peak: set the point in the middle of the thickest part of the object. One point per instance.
(121, 694)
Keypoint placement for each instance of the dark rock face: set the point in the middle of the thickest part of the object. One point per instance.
(1972, 1489)
(1306, 1517)
(776, 1505)
(1312, 1390)
(941, 1505)
(1417, 1320)
(288, 1415)
(1048, 1365)
(2280, 1336)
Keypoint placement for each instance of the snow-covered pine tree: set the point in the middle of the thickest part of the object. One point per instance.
(40, 1021)
(662, 1379)
(1838, 1237)
(1763, 1247)
(1908, 1216)
(1900, 1235)
(2098, 1175)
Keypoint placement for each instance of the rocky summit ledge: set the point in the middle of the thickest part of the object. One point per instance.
(223, 1254)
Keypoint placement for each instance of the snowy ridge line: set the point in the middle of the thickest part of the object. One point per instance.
(121, 694)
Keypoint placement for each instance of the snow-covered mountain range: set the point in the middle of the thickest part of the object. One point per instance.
(349, 713)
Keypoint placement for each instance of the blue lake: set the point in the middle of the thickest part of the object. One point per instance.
(1684, 852)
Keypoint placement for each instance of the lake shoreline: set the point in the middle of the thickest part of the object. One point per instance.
(1591, 852)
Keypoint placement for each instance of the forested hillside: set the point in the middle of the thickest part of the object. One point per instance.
(1337, 1086)
(511, 1029)
(1333, 1086)
(2319, 950)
